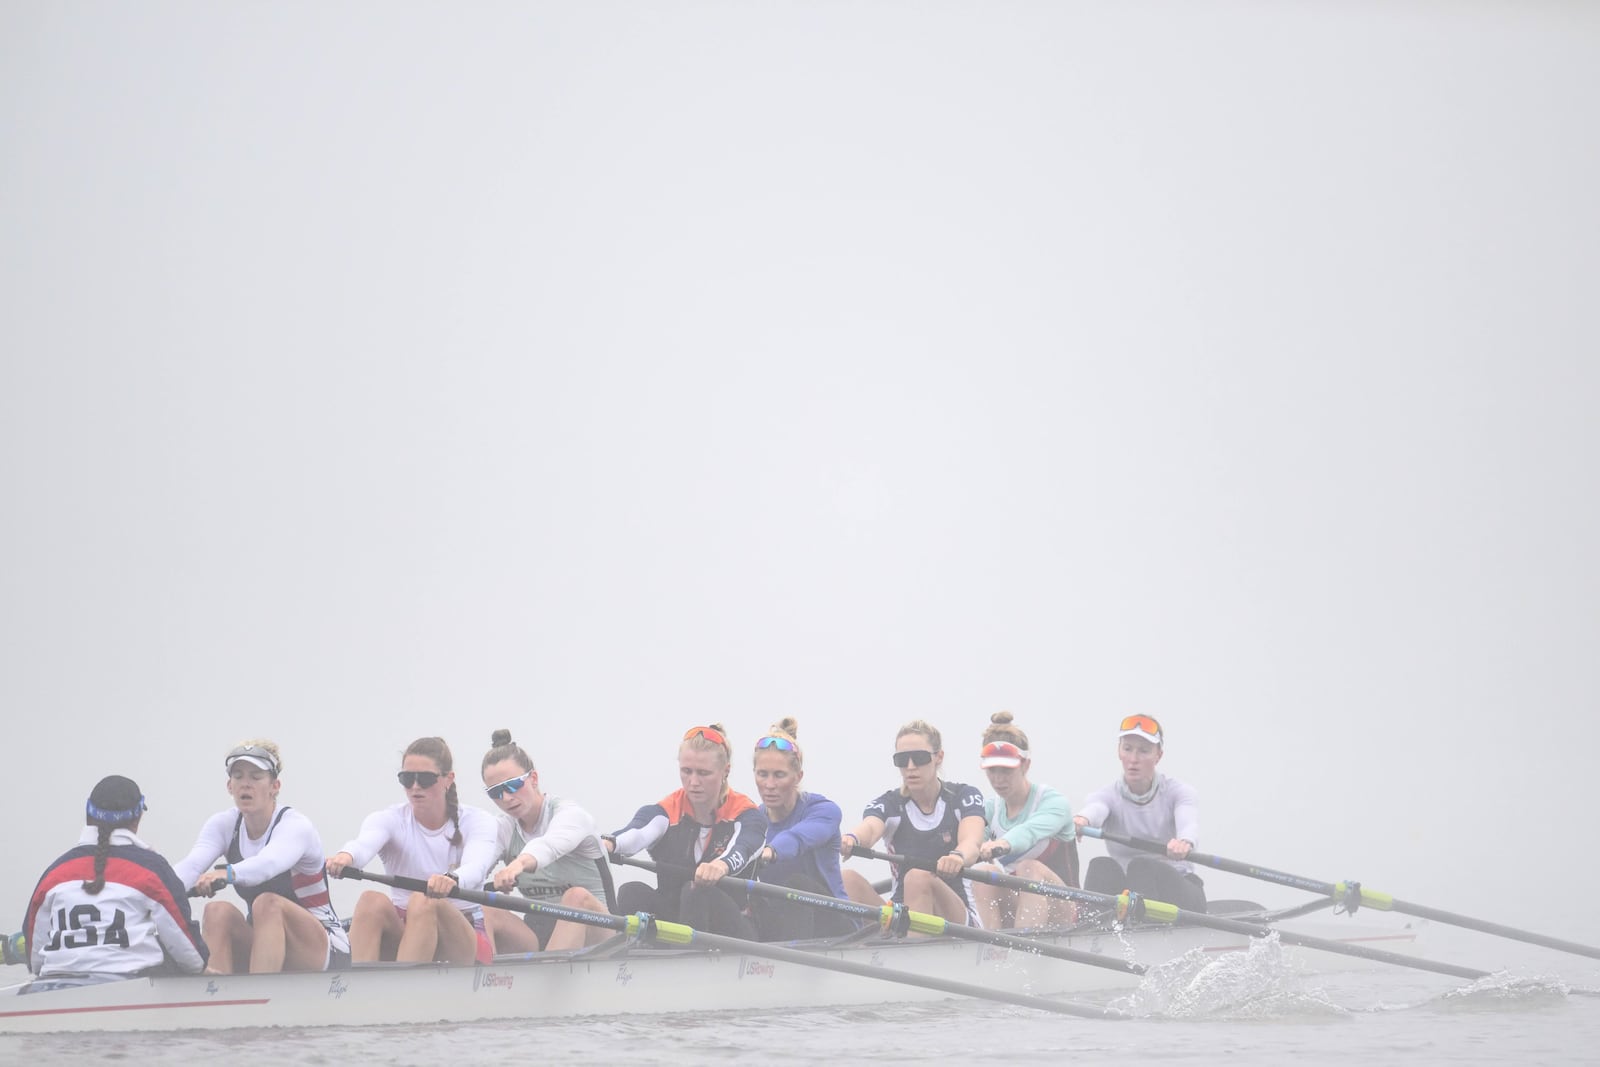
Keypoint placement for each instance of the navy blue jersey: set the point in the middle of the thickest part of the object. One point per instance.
(925, 836)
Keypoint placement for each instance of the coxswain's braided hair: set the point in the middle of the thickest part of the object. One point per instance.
(115, 804)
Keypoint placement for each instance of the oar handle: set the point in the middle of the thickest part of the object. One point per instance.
(1369, 898)
(631, 924)
(653, 929)
(1351, 894)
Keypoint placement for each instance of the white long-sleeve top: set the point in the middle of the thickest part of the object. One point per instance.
(410, 850)
(290, 846)
(1173, 811)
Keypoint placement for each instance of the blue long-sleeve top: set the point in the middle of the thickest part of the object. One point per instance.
(806, 842)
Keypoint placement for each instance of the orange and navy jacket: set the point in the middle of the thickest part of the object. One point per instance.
(678, 844)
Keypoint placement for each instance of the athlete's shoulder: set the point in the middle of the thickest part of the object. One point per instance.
(674, 806)
(967, 798)
(890, 802)
(734, 806)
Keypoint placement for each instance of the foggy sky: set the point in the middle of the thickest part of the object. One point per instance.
(598, 370)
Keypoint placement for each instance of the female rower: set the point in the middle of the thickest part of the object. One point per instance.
(551, 854)
(110, 907)
(928, 821)
(1030, 834)
(1145, 804)
(430, 836)
(697, 835)
(273, 859)
(802, 849)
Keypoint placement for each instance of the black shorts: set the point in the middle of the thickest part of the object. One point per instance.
(542, 925)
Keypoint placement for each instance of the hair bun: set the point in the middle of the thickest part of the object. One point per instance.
(787, 725)
(500, 738)
(1000, 718)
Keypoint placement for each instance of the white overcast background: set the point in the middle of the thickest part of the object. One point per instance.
(601, 369)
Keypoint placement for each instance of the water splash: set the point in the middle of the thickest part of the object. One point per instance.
(1503, 990)
(1257, 983)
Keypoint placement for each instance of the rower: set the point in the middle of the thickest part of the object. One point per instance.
(1029, 834)
(551, 853)
(428, 837)
(927, 820)
(802, 849)
(704, 827)
(1145, 804)
(110, 907)
(272, 857)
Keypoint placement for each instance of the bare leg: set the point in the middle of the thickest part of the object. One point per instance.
(996, 906)
(287, 937)
(509, 933)
(375, 928)
(570, 935)
(927, 892)
(421, 936)
(858, 889)
(227, 935)
(458, 940)
(437, 930)
(1035, 910)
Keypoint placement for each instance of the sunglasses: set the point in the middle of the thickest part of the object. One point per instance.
(1003, 749)
(425, 779)
(1141, 722)
(714, 736)
(782, 744)
(920, 756)
(510, 785)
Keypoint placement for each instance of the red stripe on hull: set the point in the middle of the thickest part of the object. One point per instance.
(135, 1007)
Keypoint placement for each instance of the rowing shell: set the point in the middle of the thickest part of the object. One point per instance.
(622, 977)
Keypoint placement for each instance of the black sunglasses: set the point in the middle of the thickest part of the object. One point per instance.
(920, 756)
(423, 778)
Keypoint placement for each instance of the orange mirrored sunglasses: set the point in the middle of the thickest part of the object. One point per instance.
(1141, 722)
(707, 732)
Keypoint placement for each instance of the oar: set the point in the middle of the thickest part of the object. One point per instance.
(1133, 907)
(1349, 894)
(660, 931)
(897, 918)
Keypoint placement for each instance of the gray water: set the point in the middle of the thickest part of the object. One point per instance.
(1247, 1008)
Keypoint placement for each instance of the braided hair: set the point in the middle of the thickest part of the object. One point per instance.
(115, 804)
(434, 748)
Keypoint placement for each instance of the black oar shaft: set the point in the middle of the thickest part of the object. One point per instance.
(1164, 912)
(1339, 891)
(929, 924)
(678, 934)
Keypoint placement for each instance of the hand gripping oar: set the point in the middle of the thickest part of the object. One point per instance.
(1132, 907)
(1349, 895)
(649, 928)
(898, 919)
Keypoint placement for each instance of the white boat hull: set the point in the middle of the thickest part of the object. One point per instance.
(640, 980)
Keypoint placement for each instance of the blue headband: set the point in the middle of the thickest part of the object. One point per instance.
(101, 815)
